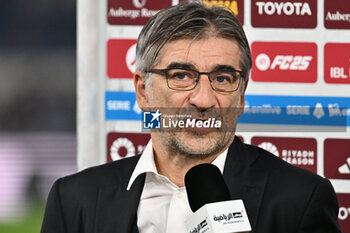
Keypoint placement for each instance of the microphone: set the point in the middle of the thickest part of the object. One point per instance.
(209, 199)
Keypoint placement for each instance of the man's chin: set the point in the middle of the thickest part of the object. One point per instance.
(196, 143)
(201, 143)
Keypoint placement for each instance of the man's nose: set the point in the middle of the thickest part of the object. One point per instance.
(203, 96)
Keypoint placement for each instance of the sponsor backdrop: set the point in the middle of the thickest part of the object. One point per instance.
(298, 98)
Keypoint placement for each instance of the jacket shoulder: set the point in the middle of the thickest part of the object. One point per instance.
(108, 174)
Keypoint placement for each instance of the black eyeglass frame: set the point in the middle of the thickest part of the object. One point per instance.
(165, 72)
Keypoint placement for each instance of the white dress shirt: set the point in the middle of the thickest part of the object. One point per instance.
(163, 206)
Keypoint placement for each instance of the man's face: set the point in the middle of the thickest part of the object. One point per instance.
(203, 55)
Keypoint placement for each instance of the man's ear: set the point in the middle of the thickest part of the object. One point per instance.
(140, 89)
(242, 101)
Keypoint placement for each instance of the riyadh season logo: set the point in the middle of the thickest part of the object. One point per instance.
(122, 143)
(159, 120)
(301, 152)
(269, 147)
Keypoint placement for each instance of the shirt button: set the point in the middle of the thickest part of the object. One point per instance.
(180, 195)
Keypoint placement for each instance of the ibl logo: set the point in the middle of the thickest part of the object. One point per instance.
(284, 62)
(338, 72)
(337, 63)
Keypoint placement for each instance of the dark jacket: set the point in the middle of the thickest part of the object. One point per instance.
(279, 198)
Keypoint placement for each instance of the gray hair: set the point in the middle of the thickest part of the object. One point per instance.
(190, 20)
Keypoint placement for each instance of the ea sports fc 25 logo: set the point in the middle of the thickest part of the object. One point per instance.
(284, 62)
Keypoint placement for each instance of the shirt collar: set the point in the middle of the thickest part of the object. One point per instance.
(146, 163)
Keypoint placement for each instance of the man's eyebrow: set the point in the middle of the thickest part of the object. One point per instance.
(185, 65)
(181, 65)
(224, 67)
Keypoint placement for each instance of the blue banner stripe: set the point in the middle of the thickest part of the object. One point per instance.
(121, 106)
(259, 109)
(296, 110)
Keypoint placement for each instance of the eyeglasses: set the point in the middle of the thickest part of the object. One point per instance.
(187, 79)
